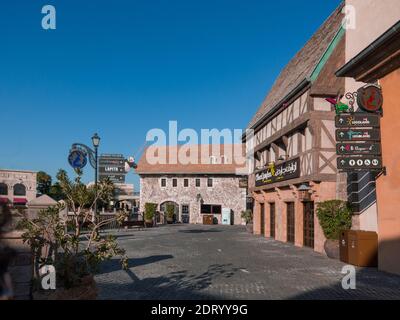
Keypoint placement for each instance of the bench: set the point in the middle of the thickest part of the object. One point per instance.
(128, 224)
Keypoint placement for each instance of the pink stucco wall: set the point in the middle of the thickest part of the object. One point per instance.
(372, 19)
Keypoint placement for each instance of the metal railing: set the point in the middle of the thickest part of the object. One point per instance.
(102, 217)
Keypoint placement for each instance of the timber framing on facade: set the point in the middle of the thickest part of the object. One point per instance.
(294, 131)
(303, 126)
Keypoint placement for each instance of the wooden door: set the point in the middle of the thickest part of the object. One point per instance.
(290, 222)
(272, 219)
(308, 224)
(208, 219)
(262, 215)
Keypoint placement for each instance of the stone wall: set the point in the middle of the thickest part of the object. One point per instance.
(225, 192)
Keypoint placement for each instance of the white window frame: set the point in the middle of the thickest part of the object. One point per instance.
(166, 183)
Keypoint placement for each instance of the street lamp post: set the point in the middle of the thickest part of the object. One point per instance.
(96, 143)
(78, 159)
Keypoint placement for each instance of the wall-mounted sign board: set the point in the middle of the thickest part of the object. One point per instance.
(278, 172)
(359, 163)
(358, 135)
(357, 120)
(354, 148)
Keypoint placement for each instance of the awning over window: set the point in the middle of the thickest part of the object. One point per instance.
(20, 201)
(3, 200)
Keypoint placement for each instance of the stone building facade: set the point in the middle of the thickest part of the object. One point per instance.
(294, 142)
(195, 190)
(17, 187)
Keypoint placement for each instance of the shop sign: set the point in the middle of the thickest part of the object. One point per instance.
(370, 99)
(358, 135)
(357, 120)
(359, 163)
(112, 166)
(278, 172)
(371, 148)
(115, 178)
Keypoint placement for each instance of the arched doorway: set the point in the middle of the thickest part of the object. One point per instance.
(163, 209)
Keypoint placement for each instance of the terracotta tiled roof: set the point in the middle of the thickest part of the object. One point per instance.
(327, 84)
(201, 161)
(302, 65)
(43, 200)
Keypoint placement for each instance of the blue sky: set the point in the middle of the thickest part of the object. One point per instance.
(123, 67)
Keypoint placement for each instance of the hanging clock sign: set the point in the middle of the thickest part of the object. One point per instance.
(370, 99)
(77, 159)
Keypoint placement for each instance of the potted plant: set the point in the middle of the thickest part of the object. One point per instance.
(60, 242)
(247, 216)
(334, 217)
(170, 211)
(149, 213)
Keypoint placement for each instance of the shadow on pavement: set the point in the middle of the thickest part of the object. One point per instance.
(200, 231)
(115, 265)
(174, 286)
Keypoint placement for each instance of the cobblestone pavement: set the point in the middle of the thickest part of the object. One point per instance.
(192, 262)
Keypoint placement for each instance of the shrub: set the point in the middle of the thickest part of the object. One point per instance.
(149, 211)
(54, 241)
(170, 211)
(334, 217)
(247, 216)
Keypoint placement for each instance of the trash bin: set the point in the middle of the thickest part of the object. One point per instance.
(359, 248)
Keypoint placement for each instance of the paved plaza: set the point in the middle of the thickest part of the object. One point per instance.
(189, 262)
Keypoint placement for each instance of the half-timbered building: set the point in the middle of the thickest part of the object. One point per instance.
(294, 142)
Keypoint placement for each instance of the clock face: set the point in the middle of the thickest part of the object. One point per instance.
(370, 98)
(77, 159)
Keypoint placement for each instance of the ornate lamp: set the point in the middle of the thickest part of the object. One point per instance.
(96, 140)
(304, 193)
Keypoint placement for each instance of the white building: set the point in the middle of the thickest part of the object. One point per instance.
(17, 187)
(196, 190)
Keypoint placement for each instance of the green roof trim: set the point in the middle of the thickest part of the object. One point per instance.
(327, 54)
